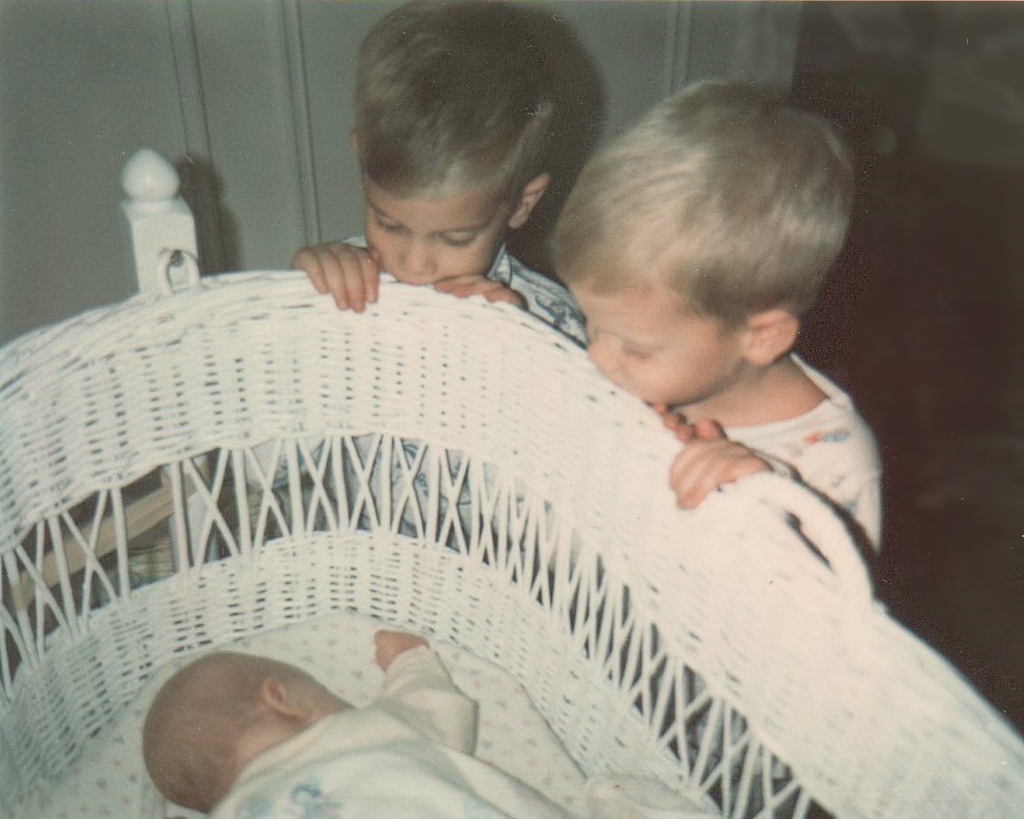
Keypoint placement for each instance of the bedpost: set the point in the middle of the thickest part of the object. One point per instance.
(163, 233)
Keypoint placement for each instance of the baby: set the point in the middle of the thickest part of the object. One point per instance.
(234, 734)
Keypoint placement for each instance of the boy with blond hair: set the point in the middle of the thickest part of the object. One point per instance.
(454, 103)
(694, 245)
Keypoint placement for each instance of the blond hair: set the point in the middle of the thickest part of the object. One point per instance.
(736, 201)
(452, 96)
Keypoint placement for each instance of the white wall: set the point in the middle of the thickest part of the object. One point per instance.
(252, 101)
(81, 86)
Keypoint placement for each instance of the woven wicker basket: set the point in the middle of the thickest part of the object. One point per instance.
(182, 470)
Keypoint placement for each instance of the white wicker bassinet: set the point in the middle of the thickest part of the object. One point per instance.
(185, 469)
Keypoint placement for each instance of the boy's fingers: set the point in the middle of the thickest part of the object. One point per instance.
(371, 277)
(674, 422)
(708, 430)
(358, 281)
(698, 471)
(351, 274)
(684, 432)
(502, 293)
(374, 256)
(308, 261)
(355, 286)
(690, 479)
(704, 466)
(338, 287)
(457, 285)
(465, 286)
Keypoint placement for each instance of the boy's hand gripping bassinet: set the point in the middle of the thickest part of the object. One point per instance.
(188, 468)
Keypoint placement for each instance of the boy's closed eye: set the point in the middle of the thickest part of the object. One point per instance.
(387, 225)
(452, 239)
(629, 349)
(637, 352)
(459, 239)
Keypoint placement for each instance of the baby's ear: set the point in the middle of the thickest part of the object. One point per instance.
(531, 195)
(770, 335)
(276, 696)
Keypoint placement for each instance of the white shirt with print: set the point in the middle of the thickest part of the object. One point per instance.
(830, 449)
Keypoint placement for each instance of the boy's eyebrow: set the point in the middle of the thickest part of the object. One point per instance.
(379, 211)
(467, 228)
(647, 342)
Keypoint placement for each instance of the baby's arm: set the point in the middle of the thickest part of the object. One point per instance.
(418, 690)
(392, 643)
(351, 274)
(707, 461)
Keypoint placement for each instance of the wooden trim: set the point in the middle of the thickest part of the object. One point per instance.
(140, 515)
(301, 132)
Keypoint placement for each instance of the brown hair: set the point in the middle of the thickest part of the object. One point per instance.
(452, 96)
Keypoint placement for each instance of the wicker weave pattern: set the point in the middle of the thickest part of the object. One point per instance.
(455, 468)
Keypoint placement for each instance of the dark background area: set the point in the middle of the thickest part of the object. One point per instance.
(924, 319)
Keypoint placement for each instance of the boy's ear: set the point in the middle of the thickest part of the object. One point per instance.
(770, 335)
(275, 695)
(353, 140)
(532, 193)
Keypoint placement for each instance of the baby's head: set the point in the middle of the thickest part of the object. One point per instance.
(454, 102)
(217, 713)
(722, 205)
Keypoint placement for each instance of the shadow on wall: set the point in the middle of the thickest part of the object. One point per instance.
(216, 226)
(924, 317)
(923, 314)
(579, 117)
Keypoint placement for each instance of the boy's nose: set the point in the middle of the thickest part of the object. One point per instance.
(418, 262)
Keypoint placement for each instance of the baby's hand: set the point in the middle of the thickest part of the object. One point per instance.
(465, 286)
(392, 643)
(708, 461)
(348, 272)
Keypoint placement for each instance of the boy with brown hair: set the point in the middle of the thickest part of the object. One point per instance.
(454, 103)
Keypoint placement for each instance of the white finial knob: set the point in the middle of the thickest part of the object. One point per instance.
(159, 221)
(148, 176)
